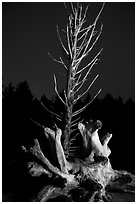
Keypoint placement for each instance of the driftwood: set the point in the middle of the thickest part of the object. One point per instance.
(95, 169)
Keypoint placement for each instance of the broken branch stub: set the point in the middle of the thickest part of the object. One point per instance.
(90, 130)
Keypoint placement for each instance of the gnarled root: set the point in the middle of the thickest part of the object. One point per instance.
(94, 169)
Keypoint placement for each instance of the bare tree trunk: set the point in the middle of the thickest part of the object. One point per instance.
(78, 47)
(69, 109)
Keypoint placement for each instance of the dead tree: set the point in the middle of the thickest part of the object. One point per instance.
(80, 41)
(95, 167)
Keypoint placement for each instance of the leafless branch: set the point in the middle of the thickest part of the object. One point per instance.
(37, 123)
(72, 8)
(64, 31)
(93, 42)
(58, 119)
(63, 64)
(85, 33)
(79, 96)
(85, 12)
(74, 124)
(62, 42)
(100, 11)
(73, 139)
(51, 111)
(69, 46)
(82, 69)
(73, 130)
(91, 35)
(55, 81)
(80, 14)
(80, 110)
(85, 29)
(76, 120)
(66, 7)
(83, 43)
(58, 61)
(85, 77)
(77, 82)
(54, 58)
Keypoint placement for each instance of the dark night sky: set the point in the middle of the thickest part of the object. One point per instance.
(29, 32)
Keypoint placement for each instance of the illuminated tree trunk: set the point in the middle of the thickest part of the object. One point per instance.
(80, 42)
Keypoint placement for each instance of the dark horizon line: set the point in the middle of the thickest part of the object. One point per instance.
(15, 85)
